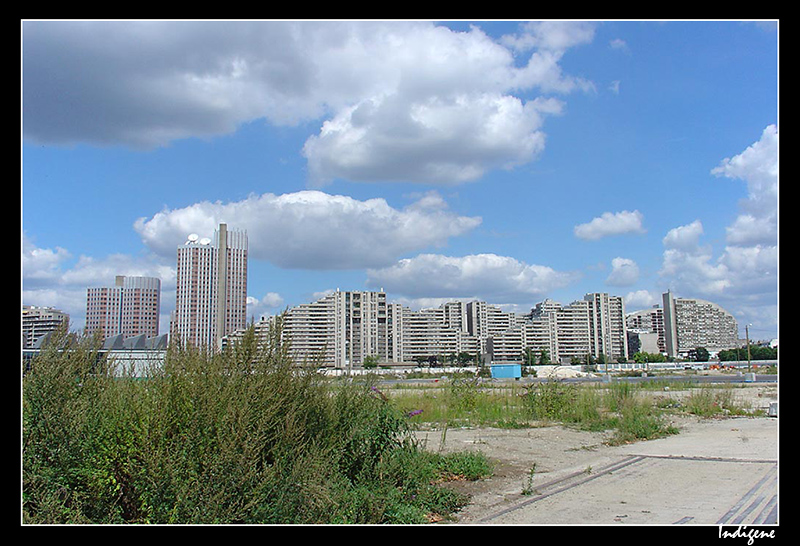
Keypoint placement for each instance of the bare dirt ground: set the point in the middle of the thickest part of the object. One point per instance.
(534, 463)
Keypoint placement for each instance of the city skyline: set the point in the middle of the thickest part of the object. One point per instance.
(503, 161)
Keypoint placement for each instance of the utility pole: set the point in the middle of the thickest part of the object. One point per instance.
(747, 337)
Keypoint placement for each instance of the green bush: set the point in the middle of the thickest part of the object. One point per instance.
(639, 420)
(614, 407)
(550, 400)
(240, 436)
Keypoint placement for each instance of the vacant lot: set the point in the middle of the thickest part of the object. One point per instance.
(529, 460)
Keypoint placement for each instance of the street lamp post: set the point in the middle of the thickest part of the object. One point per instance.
(747, 338)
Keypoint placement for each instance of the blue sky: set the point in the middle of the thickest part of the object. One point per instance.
(508, 161)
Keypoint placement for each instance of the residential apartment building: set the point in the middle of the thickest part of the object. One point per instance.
(339, 330)
(563, 332)
(569, 329)
(211, 291)
(485, 320)
(692, 323)
(343, 328)
(129, 308)
(363, 320)
(593, 326)
(39, 321)
(442, 333)
(648, 326)
(609, 337)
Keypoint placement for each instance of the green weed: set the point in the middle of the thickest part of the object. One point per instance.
(240, 436)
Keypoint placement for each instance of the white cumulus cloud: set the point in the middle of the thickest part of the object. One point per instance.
(395, 100)
(748, 264)
(641, 299)
(757, 166)
(486, 276)
(312, 229)
(624, 272)
(686, 238)
(609, 224)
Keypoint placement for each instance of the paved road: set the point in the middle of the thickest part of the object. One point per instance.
(698, 378)
(722, 473)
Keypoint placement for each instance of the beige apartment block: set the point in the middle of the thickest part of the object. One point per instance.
(691, 323)
(37, 322)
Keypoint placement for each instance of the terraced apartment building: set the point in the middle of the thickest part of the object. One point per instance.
(342, 329)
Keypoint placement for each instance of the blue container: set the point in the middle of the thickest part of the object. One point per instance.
(506, 371)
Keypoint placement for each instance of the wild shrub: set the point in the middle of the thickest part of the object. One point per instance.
(238, 436)
(639, 420)
(550, 400)
(464, 394)
(713, 402)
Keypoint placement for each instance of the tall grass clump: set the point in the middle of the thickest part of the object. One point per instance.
(616, 408)
(715, 402)
(551, 400)
(240, 436)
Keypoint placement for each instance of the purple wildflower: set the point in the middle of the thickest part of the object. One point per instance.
(379, 393)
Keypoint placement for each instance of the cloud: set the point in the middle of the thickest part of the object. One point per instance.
(270, 303)
(641, 299)
(312, 229)
(757, 166)
(41, 265)
(397, 100)
(689, 265)
(624, 272)
(737, 272)
(745, 274)
(52, 278)
(695, 273)
(619, 45)
(609, 224)
(551, 35)
(685, 238)
(753, 270)
(442, 140)
(498, 279)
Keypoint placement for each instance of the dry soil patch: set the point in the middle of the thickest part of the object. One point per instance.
(525, 459)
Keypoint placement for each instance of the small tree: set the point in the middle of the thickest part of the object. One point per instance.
(544, 357)
(528, 357)
(370, 362)
(465, 358)
(700, 354)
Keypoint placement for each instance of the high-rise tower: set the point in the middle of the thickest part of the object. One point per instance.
(211, 292)
(131, 307)
(607, 327)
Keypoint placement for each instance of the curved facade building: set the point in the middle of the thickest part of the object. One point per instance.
(692, 323)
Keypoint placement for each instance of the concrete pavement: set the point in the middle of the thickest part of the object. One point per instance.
(721, 472)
